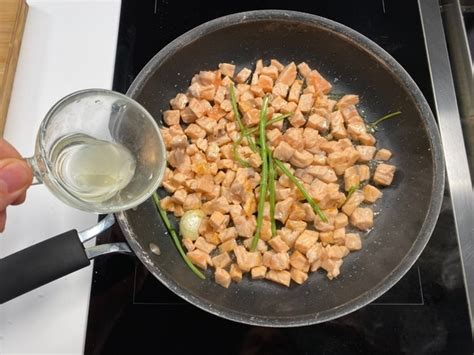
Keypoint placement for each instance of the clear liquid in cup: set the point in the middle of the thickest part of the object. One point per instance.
(91, 169)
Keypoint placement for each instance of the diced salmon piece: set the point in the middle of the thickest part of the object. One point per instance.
(288, 235)
(353, 202)
(203, 245)
(298, 225)
(384, 174)
(267, 257)
(229, 178)
(179, 102)
(228, 234)
(282, 193)
(277, 64)
(347, 100)
(298, 276)
(281, 277)
(316, 252)
(295, 91)
(363, 171)
(294, 137)
(339, 236)
(228, 245)
(202, 143)
(193, 131)
(323, 173)
(301, 159)
(243, 75)
(212, 237)
(188, 244)
(278, 244)
(265, 82)
(200, 91)
(283, 151)
(219, 96)
(222, 277)
(235, 273)
(338, 130)
(305, 103)
(351, 178)
(219, 221)
(199, 258)
(274, 136)
(179, 196)
(353, 241)
(192, 202)
(366, 153)
(261, 245)
(341, 220)
(207, 124)
(197, 107)
(280, 261)
(332, 266)
(280, 89)
(315, 79)
(278, 102)
(362, 218)
(306, 240)
(340, 161)
(371, 193)
(297, 119)
(222, 260)
(247, 260)
(304, 69)
(227, 69)
(282, 209)
(251, 117)
(225, 164)
(337, 251)
(219, 177)
(171, 117)
(258, 272)
(318, 122)
(288, 74)
(367, 139)
(270, 71)
(179, 141)
(383, 154)
(245, 226)
(191, 149)
(205, 184)
(299, 261)
(178, 158)
(220, 204)
(226, 105)
(326, 237)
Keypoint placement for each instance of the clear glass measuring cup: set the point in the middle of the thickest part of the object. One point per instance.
(99, 151)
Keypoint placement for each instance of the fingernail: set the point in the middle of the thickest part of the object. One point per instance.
(15, 176)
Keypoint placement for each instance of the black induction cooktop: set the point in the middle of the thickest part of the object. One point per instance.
(425, 313)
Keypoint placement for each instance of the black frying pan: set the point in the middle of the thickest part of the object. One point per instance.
(354, 64)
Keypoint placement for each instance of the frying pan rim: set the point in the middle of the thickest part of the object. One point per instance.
(427, 118)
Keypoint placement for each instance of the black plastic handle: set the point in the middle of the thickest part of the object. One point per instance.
(40, 264)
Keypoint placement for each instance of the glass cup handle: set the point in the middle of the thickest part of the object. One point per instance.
(36, 173)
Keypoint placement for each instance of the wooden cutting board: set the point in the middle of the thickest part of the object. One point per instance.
(12, 23)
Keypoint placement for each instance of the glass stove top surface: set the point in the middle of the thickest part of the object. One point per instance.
(426, 312)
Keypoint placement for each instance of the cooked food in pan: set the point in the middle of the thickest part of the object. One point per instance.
(270, 173)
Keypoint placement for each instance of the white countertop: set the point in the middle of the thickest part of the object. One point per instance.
(67, 45)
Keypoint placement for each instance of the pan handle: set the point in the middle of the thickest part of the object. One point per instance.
(51, 259)
(40, 264)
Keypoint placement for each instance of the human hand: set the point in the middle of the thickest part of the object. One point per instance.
(15, 178)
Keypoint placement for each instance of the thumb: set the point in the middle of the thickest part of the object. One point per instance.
(15, 177)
